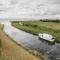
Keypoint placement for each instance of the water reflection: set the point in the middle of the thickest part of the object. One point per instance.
(32, 41)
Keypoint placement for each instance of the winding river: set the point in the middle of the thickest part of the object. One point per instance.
(31, 41)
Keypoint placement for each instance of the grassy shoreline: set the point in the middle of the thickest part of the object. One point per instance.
(36, 27)
(3, 56)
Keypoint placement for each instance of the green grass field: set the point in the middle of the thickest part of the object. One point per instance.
(36, 27)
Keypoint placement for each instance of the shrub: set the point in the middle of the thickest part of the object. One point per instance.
(35, 26)
(47, 20)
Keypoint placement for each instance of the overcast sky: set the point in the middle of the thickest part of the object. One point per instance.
(29, 8)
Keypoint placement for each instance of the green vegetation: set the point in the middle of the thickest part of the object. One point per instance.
(46, 20)
(36, 27)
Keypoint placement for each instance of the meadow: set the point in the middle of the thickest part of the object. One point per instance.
(36, 27)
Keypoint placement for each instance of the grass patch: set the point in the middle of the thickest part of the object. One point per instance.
(36, 27)
(4, 57)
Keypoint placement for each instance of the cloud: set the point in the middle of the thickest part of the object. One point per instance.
(29, 8)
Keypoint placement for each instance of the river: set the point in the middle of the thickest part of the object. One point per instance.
(52, 52)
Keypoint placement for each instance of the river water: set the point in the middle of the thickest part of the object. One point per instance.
(52, 52)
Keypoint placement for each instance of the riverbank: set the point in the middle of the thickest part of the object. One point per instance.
(36, 27)
(3, 56)
(12, 51)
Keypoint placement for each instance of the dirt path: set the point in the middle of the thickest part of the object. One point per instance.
(13, 50)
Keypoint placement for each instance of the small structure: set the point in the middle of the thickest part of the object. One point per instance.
(46, 37)
(20, 23)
